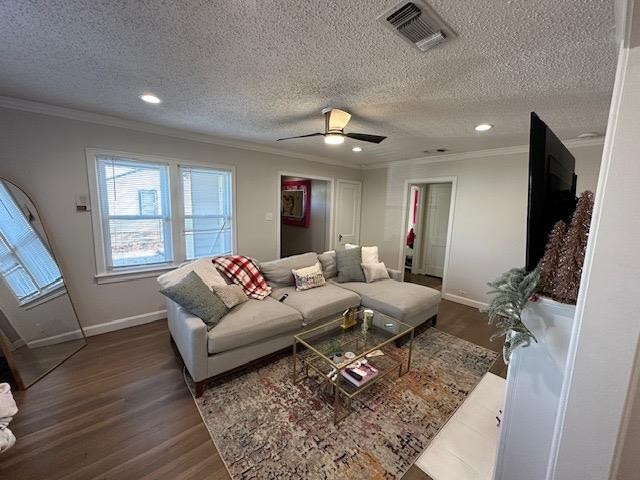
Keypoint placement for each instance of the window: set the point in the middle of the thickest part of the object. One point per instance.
(26, 265)
(134, 206)
(207, 211)
(157, 213)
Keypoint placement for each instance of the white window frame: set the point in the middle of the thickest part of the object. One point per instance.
(176, 201)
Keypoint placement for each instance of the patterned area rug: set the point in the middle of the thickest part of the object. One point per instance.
(265, 427)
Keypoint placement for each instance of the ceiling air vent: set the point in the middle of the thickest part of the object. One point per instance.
(417, 23)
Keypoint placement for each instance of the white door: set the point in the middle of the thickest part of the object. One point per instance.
(436, 224)
(348, 195)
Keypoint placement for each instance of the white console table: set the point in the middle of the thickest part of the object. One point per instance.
(534, 383)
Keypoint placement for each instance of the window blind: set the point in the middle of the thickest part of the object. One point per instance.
(135, 212)
(26, 265)
(207, 204)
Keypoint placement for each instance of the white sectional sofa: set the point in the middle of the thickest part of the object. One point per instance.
(260, 327)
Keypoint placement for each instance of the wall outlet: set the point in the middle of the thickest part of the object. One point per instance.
(462, 293)
(268, 217)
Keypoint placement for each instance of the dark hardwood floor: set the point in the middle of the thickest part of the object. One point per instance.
(426, 280)
(119, 409)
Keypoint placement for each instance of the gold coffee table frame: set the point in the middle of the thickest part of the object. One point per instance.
(384, 331)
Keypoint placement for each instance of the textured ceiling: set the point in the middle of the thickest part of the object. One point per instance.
(257, 70)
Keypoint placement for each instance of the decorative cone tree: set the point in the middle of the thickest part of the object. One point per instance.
(549, 263)
(567, 279)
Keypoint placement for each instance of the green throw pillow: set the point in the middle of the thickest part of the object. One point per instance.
(195, 297)
(348, 262)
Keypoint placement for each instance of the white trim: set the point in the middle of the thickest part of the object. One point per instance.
(278, 219)
(469, 302)
(177, 246)
(607, 455)
(55, 339)
(405, 210)
(126, 275)
(82, 116)
(58, 292)
(126, 322)
(475, 154)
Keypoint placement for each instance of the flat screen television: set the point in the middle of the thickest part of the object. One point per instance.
(552, 187)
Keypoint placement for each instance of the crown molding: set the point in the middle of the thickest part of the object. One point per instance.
(111, 121)
(493, 152)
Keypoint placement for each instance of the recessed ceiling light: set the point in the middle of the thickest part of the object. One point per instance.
(333, 138)
(149, 98)
(357, 149)
(483, 127)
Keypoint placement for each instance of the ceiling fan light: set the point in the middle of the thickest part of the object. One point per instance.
(333, 138)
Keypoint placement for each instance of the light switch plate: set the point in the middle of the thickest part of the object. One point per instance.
(268, 216)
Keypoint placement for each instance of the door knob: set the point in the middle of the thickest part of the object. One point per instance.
(339, 237)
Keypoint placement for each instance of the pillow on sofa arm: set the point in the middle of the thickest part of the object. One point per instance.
(375, 271)
(348, 262)
(309, 277)
(196, 298)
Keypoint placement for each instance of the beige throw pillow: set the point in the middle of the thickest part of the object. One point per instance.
(309, 277)
(231, 295)
(369, 254)
(375, 271)
(203, 267)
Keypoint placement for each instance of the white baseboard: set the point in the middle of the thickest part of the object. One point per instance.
(469, 302)
(126, 322)
(92, 330)
(60, 338)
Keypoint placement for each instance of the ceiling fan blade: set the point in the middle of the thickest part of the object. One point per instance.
(365, 138)
(336, 119)
(302, 136)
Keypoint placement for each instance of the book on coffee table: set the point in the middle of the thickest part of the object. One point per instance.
(359, 376)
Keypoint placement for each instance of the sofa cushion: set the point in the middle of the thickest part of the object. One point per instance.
(251, 322)
(349, 261)
(396, 299)
(369, 254)
(195, 297)
(231, 295)
(278, 272)
(318, 303)
(375, 271)
(203, 267)
(309, 277)
(328, 262)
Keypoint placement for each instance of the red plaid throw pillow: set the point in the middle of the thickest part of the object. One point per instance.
(245, 272)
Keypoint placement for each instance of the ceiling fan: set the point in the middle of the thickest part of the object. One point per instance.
(334, 122)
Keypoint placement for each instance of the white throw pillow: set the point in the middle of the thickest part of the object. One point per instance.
(203, 267)
(309, 277)
(369, 254)
(375, 271)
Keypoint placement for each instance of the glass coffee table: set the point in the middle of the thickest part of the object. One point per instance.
(336, 353)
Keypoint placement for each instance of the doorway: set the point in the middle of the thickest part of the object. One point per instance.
(426, 231)
(305, 214)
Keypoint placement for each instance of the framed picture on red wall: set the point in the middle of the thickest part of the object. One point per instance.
(296, 202)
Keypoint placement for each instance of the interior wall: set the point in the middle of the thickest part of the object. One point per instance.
(45, 155)
(490, 212)
(295, 240)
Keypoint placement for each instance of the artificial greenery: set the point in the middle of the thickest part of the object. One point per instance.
(511, 293)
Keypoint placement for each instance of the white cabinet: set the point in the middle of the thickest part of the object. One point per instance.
(534, 383)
